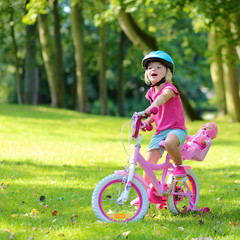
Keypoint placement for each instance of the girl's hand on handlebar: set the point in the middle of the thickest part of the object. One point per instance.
(151, 110)
(146, 127)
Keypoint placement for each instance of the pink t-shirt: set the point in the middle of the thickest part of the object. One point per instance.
(170, 114)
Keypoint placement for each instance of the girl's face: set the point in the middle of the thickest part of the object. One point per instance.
(155, 72)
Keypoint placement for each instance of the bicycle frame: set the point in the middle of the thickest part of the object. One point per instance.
(149, 168)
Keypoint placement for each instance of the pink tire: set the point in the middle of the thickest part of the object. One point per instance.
(106, 193)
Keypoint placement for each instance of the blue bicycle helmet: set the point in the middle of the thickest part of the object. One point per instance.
(158, 56)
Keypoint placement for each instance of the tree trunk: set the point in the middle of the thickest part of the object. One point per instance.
(102, 70)
(216, 70)
(235, 28)
(147, 43)
(30, 75)
(48, 58)
(17, 64)
(120, 89)
(58, 49)
(78, 41)
(231, 82)
(73, 104)
(191, 114)
(136, 34)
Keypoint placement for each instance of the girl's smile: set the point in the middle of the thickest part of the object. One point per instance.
(156, 71)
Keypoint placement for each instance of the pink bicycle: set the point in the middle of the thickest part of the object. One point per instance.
(112, 199)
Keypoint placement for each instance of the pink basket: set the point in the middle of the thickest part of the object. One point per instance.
(195, 154)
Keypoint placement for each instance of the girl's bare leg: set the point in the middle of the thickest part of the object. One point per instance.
(171, 144)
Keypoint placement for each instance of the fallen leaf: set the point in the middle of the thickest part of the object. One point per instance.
(125, 234)
(181, 228)
(34, 228)
(35, 212)
(237, 181)
(14, 215)
(203, 238)
(234, 224)
(42, 198)
(34, 193)
(159, 233)
(46, 206)
(54, 213)
(11, 236)
(7, 230)
(164, 227)
(201, 222)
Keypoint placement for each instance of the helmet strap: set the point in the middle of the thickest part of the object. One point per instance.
(163, 80)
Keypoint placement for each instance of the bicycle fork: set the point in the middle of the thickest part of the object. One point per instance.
(124, 196)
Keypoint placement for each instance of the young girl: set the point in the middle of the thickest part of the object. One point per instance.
(169, 121)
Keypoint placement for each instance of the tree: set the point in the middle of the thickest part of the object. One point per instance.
(38, 8)
(31, 76)
(216, 69)
(228, 39)
(58, 49)
(15, 52)
(102, 70)
(120, 88)
(78, 40)
(48, 58)
(147, 43)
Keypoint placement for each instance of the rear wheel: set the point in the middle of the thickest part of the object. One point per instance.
(178, 203)
(106, 194)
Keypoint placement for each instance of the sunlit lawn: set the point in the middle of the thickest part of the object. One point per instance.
(51, 160)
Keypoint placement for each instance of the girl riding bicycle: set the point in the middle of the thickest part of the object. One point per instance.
(169, 121)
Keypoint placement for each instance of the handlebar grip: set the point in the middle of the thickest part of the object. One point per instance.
(154, 110)
(149, 127)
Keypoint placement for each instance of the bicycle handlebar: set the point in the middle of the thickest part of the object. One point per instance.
(137, 120)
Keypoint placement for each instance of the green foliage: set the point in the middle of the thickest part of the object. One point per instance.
(35, 7)
(52, 159)
(180, 28)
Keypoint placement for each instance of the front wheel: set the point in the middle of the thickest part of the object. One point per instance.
(178, 203)
(106, 193)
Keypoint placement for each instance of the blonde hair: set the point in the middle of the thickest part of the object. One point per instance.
(168, 76)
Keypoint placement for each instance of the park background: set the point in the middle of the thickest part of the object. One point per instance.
(70, 70)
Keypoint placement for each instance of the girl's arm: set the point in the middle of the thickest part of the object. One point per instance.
(161, 99)
(149, 120)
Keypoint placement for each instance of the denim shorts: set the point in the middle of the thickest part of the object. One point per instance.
(156, 139)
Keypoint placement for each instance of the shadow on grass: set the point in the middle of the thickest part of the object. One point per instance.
(39, 112)
(67, 192)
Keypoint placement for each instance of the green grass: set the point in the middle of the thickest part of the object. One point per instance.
(59, 156)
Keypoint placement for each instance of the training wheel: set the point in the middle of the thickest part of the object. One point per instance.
(205, 209)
